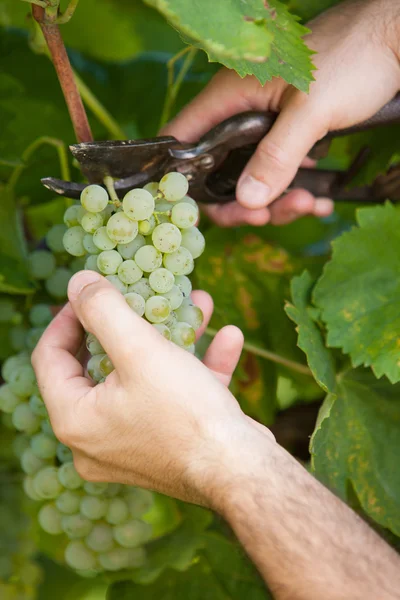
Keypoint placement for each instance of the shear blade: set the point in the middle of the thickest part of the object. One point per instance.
(121, 159)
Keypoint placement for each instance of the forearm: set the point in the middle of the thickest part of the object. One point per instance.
(307, 544)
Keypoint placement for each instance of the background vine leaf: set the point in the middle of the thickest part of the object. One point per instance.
(359, 292)
(310, 338)
(355, 441)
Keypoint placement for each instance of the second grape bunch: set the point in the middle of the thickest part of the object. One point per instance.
(145, 246)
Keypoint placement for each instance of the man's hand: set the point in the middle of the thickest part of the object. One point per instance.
(358, 71)
(161, 418)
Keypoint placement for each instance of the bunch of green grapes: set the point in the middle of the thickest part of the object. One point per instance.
(19, 574)
(146, 247)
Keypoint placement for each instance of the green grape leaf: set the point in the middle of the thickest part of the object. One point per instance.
(356, 442)
(253, 38)
(359, 292)
(310, 338)
(308, 9)
(220, 571)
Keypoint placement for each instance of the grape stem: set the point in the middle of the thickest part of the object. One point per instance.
(65, 75)
(68, 12)
(31, 149)
(109, 183)
(268, 355)
(173, 87)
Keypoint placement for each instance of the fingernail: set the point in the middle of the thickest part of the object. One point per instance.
(252, 192)
(323, 207)
(81, 280)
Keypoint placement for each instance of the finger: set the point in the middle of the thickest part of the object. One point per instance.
(103, 311)
(224, 96)
(232, 215)
(296, 204)
(279, 155)
(205, 302)
(224, 352)
(59, 374)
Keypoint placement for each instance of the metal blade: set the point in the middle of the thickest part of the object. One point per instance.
(120, 159)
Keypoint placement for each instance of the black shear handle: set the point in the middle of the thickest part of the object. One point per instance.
(250, 127)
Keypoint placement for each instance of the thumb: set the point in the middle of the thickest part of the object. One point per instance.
(104, 312)
(279, 155)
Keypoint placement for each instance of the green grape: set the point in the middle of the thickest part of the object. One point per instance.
(33, 336)
(163, 329)
(68, 502)
(174, 297)
(113, 490)
(41, 264)
(73, 241)
(136, 303)
(122, 558)
(108, 261)
(106, 367)
(29, 488)
(174, 186)
(191, 314)
(194, 241)
(109, 210)
(23, 381)
(91, 263)
(151, 187)
(166, 238)
(139, 501)
(93, 344)
(129, 272)
(17, 337)
(54, 238)
(157, 309)
(76, 526)
(8, 400)
(147, 226)
(102, 240)
(95, 488)
(93, 367)
(37, 405)
(78, 263)
(91, 222)
(47, 428)
(161, 280)
(20, 443)
(188, 200)
(128, 251)
(94, 198)
(63, 454)
(30, 463)
(69, 477)
(40, 315)
(118, 511)
(57, 283)
(78, 556)
(183, 334)
(133, 533)
(138, 204)
(117, 283)
(50, 519)
(172, 320)
(148, 258)
(179, 262)
(94, 507)
(191, 349)
(100, 539)
(8, 314)
(121, 229)
(44, 446)
(73, 215)
(24, 420)
(89, 244)
(184, 215)
(12, 363)
(143, 288)
(46, 483)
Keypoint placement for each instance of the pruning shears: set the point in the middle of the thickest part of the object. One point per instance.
(214, 164)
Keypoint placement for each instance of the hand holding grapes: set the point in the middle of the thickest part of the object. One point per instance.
(357, 60)
(159, 416)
